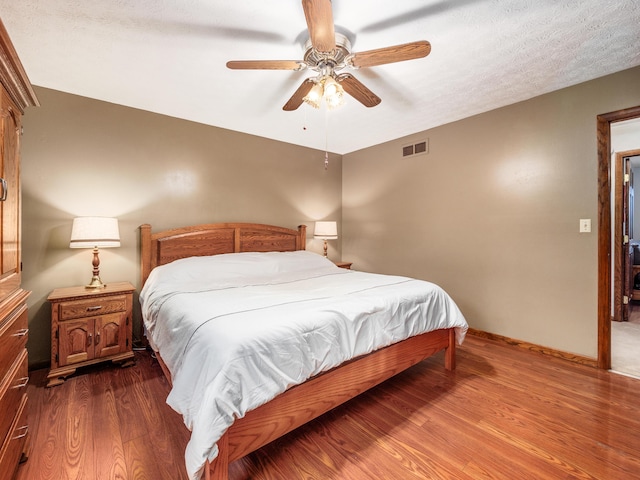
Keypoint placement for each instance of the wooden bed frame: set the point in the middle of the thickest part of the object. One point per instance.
(301, 403)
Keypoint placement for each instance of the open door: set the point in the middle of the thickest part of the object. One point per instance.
(627, 235)
(623, 220)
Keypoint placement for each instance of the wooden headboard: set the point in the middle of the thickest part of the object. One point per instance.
(213, 239)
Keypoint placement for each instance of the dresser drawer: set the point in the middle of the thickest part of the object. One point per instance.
(13, 338)
(91, 306)
(13, 447)
(11, 391)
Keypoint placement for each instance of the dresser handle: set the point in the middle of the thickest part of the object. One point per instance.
(93, 309)
(89, 340)
(23, 381)
(3, 185)
(21, 332)
(97, 338)
(24, 428)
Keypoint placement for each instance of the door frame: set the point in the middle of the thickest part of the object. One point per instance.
(604, 122)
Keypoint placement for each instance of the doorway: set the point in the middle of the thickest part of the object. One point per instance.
(604, 122)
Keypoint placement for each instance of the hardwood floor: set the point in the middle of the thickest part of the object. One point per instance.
(504, 413)
(634, 312)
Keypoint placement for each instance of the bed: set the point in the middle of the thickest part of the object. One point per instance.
(299, 384)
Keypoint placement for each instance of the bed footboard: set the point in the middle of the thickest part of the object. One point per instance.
(303, 403)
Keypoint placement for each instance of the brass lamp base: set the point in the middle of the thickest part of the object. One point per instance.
(95, 284)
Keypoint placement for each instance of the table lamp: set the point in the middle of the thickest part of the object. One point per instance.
(326, 231)
(95, 232)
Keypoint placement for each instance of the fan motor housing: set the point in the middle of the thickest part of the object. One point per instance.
(335, 60)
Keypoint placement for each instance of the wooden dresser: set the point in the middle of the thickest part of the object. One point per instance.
(14, 429)
(16, 94)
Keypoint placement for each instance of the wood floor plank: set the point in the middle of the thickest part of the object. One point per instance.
(141, 464)
(452, 429)
(133, 403)
(44, 409)
(109, 463)
(78, 460)
(167, 436)
(504, 413)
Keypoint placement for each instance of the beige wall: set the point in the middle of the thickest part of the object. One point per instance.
(86, 157)
(492, 212)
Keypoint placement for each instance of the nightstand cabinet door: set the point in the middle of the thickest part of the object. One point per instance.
(110, 335)
(89, 338)
(76, 341)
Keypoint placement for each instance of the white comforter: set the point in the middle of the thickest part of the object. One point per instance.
(236, 330)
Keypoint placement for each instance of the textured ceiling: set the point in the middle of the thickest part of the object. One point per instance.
(169, 56)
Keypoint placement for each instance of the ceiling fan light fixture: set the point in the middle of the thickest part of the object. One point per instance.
(333, 93)
(331, 87)
(327, 88)
(314, 97)
(334, 101)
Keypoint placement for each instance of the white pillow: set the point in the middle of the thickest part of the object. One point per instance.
(237, 265)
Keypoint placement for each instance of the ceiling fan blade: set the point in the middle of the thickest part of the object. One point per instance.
(297, 98)
(357, 90)
(397, 53)
(320, 24)
(266, 65)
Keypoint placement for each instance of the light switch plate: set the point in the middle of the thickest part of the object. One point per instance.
(585, 225)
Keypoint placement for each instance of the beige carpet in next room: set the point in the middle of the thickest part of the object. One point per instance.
(625, 344)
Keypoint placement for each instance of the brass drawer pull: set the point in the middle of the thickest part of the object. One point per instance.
(23, 382)
(25, 429)
(21, 333)
(89, 340)
(3, 185)
(94, 309)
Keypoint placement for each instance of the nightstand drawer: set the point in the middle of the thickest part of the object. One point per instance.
(13, 338)
(11, 392)
(92, 306)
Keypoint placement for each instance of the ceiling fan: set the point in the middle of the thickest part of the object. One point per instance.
(327, 53)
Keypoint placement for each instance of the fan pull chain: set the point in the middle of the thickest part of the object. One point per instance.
(326, 139)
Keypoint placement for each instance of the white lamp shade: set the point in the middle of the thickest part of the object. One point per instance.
(326, 230)
(91, 232)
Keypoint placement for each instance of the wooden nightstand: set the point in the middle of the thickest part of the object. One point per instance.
(346, 265)
(90, 326)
